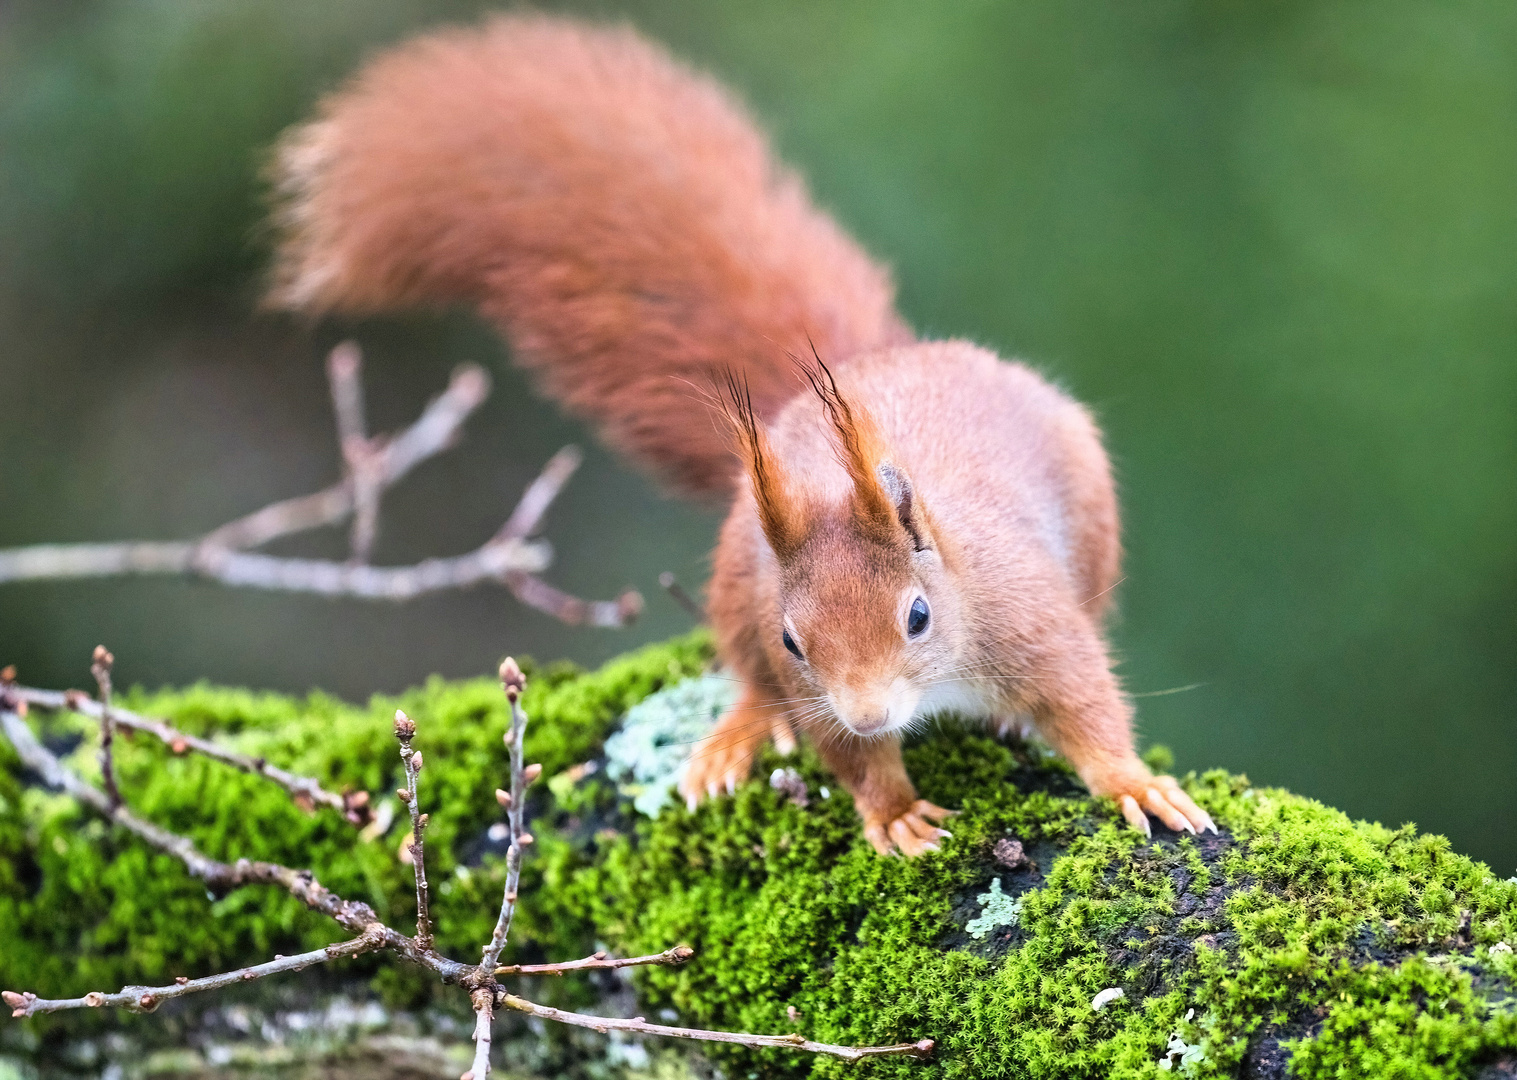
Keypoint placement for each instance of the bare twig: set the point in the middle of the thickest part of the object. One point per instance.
(253, 571)
(433, 432)
(219, 877)
(405, 731)
(306, 791)
(359, 453)
(677, 592)
(536, 593)
(325, 578)
(100, 668)
(371, 466)
(513, 682)
(525, 520)
(144, 999)
(600, 962)
(370, 934)
(483, 1001)
(919, 1049)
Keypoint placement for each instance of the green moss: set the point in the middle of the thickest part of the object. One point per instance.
(1350, 948)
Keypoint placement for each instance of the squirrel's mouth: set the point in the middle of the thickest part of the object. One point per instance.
(884, 711)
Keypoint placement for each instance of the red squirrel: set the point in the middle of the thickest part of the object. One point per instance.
(915, 526)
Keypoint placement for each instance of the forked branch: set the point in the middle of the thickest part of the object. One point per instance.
(368, 932)
(307, 792)
(371, 465)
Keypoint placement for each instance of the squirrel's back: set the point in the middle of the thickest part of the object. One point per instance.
(617, 215)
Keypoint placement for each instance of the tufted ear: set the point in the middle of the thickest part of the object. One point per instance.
(782, 514)
(908, 508)
(883, 499)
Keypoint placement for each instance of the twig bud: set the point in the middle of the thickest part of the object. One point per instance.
(512, 681)
(424, 820)
(416, 761)
(525, 839)
(179, 746)
(531, 773)
(503, 797)
(102, 657)
(94, 999)
(181, 979)
(403, 794)
(405, 727)
(13, 999)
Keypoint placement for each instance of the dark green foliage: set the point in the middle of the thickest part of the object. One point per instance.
(1346, 948)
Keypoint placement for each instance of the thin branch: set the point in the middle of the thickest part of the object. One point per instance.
(303, 788)
(514, 683)
(536, 593)
(484, 1015)
(677, 592)
(371, 466)
(359, 919)
(433, 432)
(359, 452)
(525, 520)
(219, 877)
(600, 962)
(405, 731)
(146, 999)
(922, 1048)
(490, 562)
(100, 668)
(253, 571)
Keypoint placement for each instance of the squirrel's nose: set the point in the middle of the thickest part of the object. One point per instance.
(858, 713)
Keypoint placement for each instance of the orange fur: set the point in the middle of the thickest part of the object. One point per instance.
(617, 215)
(622, 222)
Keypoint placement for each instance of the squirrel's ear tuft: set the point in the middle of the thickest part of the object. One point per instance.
(908, 508)
(781, 512)
(861, 450)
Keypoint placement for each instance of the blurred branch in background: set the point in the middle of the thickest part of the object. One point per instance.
(371, 465)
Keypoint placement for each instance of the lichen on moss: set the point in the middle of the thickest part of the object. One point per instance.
(1293, 936)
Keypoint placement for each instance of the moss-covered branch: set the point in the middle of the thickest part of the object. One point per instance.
(1294, 938)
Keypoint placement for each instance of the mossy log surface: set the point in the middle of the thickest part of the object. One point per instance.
(1294, 942)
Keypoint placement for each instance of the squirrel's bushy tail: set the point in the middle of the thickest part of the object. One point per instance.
(617, 215)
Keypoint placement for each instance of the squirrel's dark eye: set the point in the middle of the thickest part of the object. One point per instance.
(916, 618)
(791, 645)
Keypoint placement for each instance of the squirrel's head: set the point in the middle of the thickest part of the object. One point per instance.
(870, 617)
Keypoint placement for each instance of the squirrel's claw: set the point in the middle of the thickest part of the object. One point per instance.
(1134, 814)
(1163, 797)
(911, 833)
(783, 735)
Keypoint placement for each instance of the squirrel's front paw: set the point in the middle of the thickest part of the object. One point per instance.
(909, 833)
(1140, 793)
(718, 764)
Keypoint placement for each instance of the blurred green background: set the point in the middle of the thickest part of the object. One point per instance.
(1273, 244)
